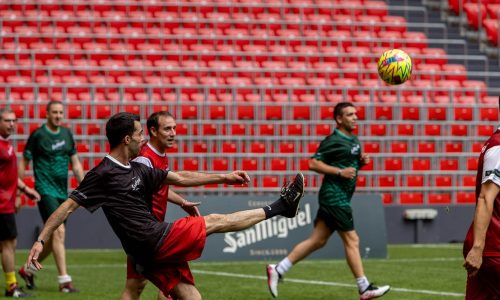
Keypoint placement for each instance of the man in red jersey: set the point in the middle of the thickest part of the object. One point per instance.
(161, 127)
(482, 243)
(9, 184)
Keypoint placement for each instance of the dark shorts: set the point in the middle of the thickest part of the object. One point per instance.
(47, 205)
(486, 284)
(8, 228)
(184, 242)
(336, 217)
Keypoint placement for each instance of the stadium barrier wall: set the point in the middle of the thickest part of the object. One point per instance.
(271, 239)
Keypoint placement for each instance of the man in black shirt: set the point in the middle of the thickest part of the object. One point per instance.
(124, 190)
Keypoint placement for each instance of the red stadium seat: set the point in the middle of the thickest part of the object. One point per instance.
(421, 164)
(441, 198)
(229, 147)
(383, 112)
(443, 181)
(270, 181)
(295, 129)
(466, 197)
(378, 129)
(371, 147)
(459, 130)
(220, 164)
(323, 129)
(432, 129)
(278, 164)
(426, 147)
(190, 164)
(463, 113)
(415, 180)
(405, 129)
(410, 113)
(472, 164)
(273, 112)
(453, 147)
(436, 113)
(411, 198)
(469, 180)
(249, 164)
(488, 114)
(448, 164)
(393, 164)
(399, 147)
(386, 181)
(485, 130)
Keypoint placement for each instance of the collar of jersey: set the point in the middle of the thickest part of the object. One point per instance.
(343, 134)
(117, 162)
(156, 151)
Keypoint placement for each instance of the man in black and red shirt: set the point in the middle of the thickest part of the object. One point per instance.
(161, 127)
(124, 189)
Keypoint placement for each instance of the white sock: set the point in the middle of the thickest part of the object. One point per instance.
(63, 279)
(363, 283)
(284, 266)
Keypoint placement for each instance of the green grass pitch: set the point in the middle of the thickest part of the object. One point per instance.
(413, 271)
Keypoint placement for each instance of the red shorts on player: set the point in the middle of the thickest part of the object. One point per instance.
(485, 285)
(131, 272)
(184, 242)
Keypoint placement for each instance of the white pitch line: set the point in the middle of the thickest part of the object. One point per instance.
(327, 283)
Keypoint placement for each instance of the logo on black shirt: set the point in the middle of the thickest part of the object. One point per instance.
(136, 181)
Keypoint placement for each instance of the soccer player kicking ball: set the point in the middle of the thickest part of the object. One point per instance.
(338, 157)
(123, 189)
(161, 127)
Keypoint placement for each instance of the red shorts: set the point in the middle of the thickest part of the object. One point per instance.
(485, 285)
(184, 242)
(131, 272)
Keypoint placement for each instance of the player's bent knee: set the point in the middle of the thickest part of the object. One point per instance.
(214, 222)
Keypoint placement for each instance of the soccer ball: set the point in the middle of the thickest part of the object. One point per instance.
(394, 66)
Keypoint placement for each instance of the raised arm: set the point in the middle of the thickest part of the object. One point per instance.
(54, 221)
(482, 218)
(187, 178)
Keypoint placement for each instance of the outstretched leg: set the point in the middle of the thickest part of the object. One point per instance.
(287, 205)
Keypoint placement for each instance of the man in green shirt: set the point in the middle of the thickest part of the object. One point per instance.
(52, 148)
(338, 158)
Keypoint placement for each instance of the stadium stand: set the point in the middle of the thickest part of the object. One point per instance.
(257, 82)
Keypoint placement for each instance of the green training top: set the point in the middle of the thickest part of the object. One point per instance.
(51, 154)
(341, 151)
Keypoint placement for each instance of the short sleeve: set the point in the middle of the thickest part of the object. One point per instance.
(323, 148)
(91, 192)
(153, 177)
(72, 148)
(143, 160)
(491, 165)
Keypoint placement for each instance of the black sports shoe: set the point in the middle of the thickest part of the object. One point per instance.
(15, 291)
(28, 278)
(291, 193)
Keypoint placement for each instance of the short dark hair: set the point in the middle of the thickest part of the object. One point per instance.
(119, 126)
(154, 117)
(338, 110)
(4, 110)
(52, 102)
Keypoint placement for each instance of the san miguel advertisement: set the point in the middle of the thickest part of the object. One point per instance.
(274, 238)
